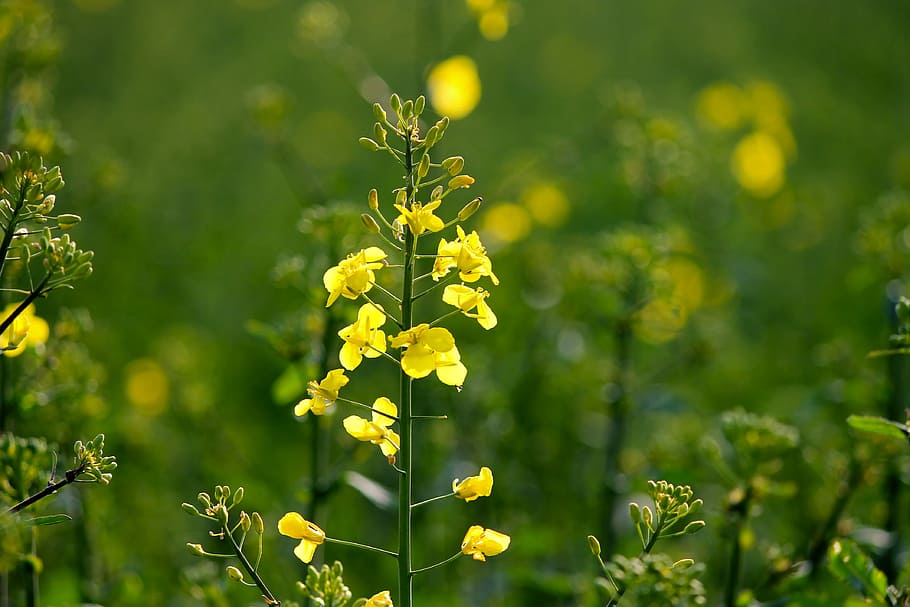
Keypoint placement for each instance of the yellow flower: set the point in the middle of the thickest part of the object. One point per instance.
(420, 218)
(465, 253)
(454, 87)
(466, 299)
(353, 275)
(25, 330)
(474, 486)
(429, 349)
(310, 535)
(376, 431)
(322, 394)
(759, 165)
(481, 543)
(363, 337)
(380, 599)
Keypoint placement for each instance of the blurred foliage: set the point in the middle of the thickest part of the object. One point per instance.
(744, 166)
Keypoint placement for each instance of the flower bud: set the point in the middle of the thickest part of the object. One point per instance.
(424, 167)
(594, 544)
(683, 564)
(234, 573)
(693, 527)
(373, 199)
(469, 209)
(221, 513)
(453, 164)
(431, 137)
(395, 103)
(462, 181)
(378, 112)
(401, 196)
(238, 495)
(205, 499)
(369, 144)
(436, 194)
(47, 205)
(258, 525)
(419, 105)
(369, 223)
(195, 549)
(634, 513)
(190, 509)
(245, 522)
(407, 110)
(67, 221)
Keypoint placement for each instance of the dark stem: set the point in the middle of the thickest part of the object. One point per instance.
(69, 477)
(618, 406)
(11, 226)
(888, 561)
(740, 512)
(32, 593)
(249, 568)
(32, 296)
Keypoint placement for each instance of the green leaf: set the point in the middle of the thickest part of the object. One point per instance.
(289, 386)
(848, 562)
(879, 425)
(51, 519)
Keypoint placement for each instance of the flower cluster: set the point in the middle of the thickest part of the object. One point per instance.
(419, 347)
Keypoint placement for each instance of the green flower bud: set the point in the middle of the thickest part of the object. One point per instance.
(462, 181)
(634, 513)
(647, 516)
(369, 144)
(395, 103)
(369, 223)
(401, 197)
(469, 209)
(379, 133)
(432, 137)
(423, 167)
(453, 164)
(234, 573)
(379, 113)
(238, 496)
(67, 221)
(245, 522)
(195, 549)
(594, 545)
(683, 564)
(221, 514)
(190, 509)
(436, 194)
(419, 105)
(258, 525)
(694, 527)
(407, 110)
(373, 199)
(205, 499)
(47, 205)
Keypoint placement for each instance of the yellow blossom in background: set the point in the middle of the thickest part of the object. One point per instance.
(474, 486)
(147, 386)
(27, 329)
(353, 275)
(420, 218)
(466, 299)
(322, 394)
(758, 164)
(293, 525)
(467, 254)
(481, 543)
(427, 349)
(454, 87)
(380, 599)
(722, 105)
(547, 204)
(376, 431)
(687, 282)
(660, 320)
(507, 222)
(363, 337)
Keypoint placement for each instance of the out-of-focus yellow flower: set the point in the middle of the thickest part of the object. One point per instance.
(465, 253)
(353, 275)
(420, 218)
(322, 394)
(660, 320)
(363, 337)
(474, 486)
(380, 599)
(376, 431)
(310, 535)
(507, 222)
(466, 299)
(481, 543)
(722, 106)
(547, 204)
(454, 87)
(758, 164)
(687, 282)
(27, 329)
(147, 386)
(427, 349)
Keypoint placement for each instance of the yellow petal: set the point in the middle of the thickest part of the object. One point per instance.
(303, 407)
(384, 405)
(438, 339)
(292, 525)
(305, 550)
(350, 356)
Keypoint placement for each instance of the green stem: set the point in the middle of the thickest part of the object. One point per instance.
(266, 593)
(405, 577)
(11, 226)
(439, 564)
(332, 540)
(432, 499)
(445, 316)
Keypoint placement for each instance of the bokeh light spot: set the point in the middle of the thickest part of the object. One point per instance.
(547, 204)
(758, 164)
(454, 87)
(507, 222)
(147, 386)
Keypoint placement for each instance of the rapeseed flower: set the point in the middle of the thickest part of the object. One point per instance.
(363, 337)
(467, 254)
(420, 218)
(376, 431)
(310, 535)
(474, 486)
(380, 599)
(322, 394)
(467, 299)
(481, 543)
(426, 349)
(25, 330)
(353, 275)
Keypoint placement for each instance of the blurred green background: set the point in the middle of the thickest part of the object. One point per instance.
(748, 162)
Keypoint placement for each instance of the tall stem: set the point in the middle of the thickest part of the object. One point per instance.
(405, 576)
(618, 409)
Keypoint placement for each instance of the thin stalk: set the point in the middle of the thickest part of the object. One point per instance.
(405, 575)
(432, 499)
(266, 593)
(377, 411)
(32, 593)
(69, 477)
(618, 409)
(332, 540)
(439, 564)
